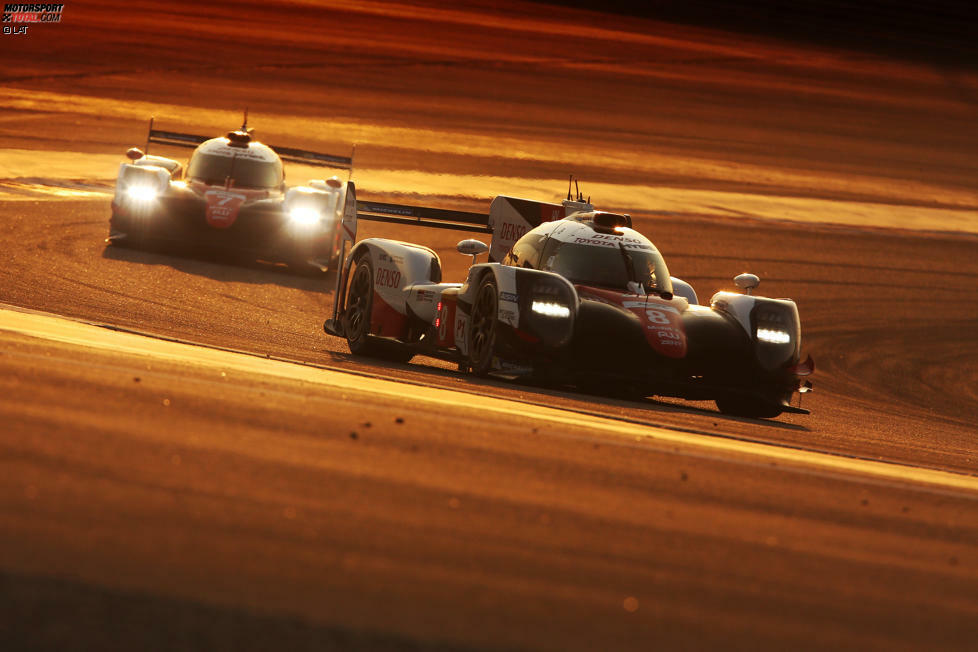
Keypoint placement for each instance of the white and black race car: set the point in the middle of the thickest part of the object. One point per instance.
(572, 296)
(231, 197)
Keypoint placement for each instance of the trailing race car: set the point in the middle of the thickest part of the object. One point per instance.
(570, 295)
(232, 197)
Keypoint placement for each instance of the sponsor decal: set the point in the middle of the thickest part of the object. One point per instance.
(425, 296)
(508, 296)
(17, 17)
(252, 152)
(387, 278)
(661, 321)
(222, 207)
(663, 327)
(616, 238)
(390, 258)
(512, 231)
(612, 241)
(387, 209)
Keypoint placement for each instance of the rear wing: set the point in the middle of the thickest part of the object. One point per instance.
(438, 218)
(304, 157)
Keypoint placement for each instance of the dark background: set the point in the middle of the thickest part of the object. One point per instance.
(940, 32)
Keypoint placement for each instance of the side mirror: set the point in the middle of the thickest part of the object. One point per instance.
(747, 281)
(472, 248)
(134, 154)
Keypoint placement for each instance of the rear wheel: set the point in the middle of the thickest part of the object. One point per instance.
(745, 406)
(359, 308)
(483, 327)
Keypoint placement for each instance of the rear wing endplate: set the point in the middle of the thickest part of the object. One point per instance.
(289, 154)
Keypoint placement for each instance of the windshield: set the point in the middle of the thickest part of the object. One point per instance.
(607, 266)
(246, 173)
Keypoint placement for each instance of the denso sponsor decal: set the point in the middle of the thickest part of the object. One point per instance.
(222, 207)
(387, 278)
(512, 231)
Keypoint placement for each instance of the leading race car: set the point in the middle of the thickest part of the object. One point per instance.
(232, 197)
(570, 295)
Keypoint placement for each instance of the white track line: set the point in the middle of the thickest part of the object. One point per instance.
(77, 333)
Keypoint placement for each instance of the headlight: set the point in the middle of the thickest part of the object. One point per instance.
(304, 215)
(773, 335)
(142, 193)
(550, 308)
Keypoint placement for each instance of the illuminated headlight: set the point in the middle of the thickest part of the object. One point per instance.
(142, 193)
(304, 215)
(550, 308)
(773, 336)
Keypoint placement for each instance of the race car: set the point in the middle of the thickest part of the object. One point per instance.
(570, 296)
(232, 197)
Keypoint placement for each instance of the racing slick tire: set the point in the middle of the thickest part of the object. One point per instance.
(483, 327)
(746, 406)
(359, 304)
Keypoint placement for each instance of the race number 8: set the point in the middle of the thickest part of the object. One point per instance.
(656, 317)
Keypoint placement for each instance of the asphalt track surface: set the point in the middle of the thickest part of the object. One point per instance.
(262, 488)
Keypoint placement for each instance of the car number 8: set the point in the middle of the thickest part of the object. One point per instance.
(656, 317)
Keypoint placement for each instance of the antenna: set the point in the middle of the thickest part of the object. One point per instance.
(579, 197)
(569, 179)
(244, 125)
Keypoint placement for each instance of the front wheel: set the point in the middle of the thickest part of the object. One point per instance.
(357, 316)
(483, 327)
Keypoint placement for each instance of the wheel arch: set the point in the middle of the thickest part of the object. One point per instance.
(396, 265)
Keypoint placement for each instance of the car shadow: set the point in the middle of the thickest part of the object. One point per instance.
(225, 267)
(423, 370)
